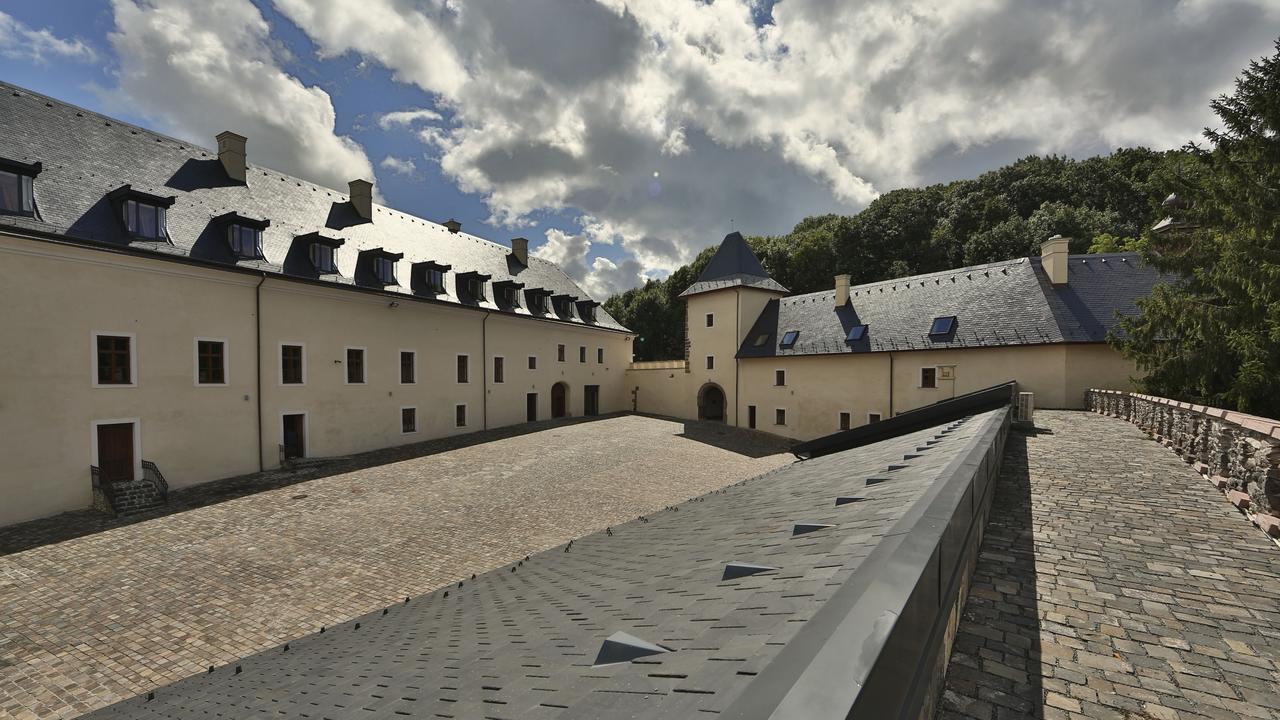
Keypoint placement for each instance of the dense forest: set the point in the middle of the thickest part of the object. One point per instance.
(1006, 213)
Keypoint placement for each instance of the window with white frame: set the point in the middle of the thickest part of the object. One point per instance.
(355, 366)
(408, 367)
(144, 220)
(114, 360)
(211, 361)
(929, 377)
(246, 242)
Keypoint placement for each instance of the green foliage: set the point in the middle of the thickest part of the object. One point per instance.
(1214, 337)
(1108, 243)
(1002, 214)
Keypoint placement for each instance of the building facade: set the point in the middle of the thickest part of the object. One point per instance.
(805, 366)
(178, 310)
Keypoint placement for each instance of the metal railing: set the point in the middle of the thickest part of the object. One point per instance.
(103, 497)
(152, 474)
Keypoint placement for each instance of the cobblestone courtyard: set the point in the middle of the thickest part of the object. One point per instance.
(1114, 582)
(111, 614)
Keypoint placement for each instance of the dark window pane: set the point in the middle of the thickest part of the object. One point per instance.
(582, 353)
(498, 374)
(212, 362)
(942, 325)
(10, 192)
(560, 353)
(857, 332)
(113, 360)
(291, 364)
(533, 363)
(408, 420)
(779, 377)
(789, 339)
(460, 416)
(355, 365)
(600, 356)
(779, 417)
(844, 421)
(462, 368)
(407, 368)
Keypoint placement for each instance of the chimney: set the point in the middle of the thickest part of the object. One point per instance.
(362, 198)
(231, 154)
(842, 290)
(453, 225)
(520, 249)
(1053, 257)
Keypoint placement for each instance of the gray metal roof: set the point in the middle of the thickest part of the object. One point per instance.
(646, 620)
(85, 156)
(733, 265)
(998, 304)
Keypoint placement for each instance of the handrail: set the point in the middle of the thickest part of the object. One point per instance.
(104, 498)
(153, 475)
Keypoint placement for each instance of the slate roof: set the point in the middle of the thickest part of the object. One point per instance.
(526, 640)
(998, 304)
(733, 265)
(85, 156)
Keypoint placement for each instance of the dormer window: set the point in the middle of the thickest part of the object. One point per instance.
(508, 293)
(384, 269)
(472, 286)
(536, 300)
(428, 277)
(246, 242)
(16, 180)
(142, 214)
(475, 287)
(435, 279)
(512, 296)
(323, 258)
(587, 310)
(563, 305)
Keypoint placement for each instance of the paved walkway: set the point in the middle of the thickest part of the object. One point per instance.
(111, 614)
(1113, 582)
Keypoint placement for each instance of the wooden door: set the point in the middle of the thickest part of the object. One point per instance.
(115, 451)
(295, 431)
(531, 406)
(558, 400)
(591, 400)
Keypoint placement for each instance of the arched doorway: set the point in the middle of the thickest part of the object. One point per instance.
(560, 400)
(711, 403)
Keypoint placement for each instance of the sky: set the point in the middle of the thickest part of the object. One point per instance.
(624, 136)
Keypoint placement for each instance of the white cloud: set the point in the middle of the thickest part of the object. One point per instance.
(200, 68)
(399, 166)
(601, 277)
(19, 41)
(407, 117)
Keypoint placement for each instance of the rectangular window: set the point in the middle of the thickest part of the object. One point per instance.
(533, 362)
(115, 359)
(355, 366)
(873, 417)
(322, 257)
(385, 270)
(942, 325)
(144, 221)
(560, 353)
(582, 353)
(435, 280)
(499, 370)
(844, 421)
(599, 356)
(779, 377)
(789, 339)
(711, 320)
(246, 242)
(408, 420)
(15, 193)
(751, 417)
(928, 377)
(408, 367)
(711, 362)
(211, 362)
(857, 332)
(291, 365)
(460, 416)
(475, 286)
(779, 417)
(464, 368)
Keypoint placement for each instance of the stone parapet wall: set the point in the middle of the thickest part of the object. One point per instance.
(1241, 452)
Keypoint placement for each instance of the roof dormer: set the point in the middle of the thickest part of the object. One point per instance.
(377, 267)
(244, 234)
(471, 286)
(587, 310)
(321, 251)
(563, 305)
(538, 300)
(17, 182)
(507, 293)
(143, 214)
(427, 277)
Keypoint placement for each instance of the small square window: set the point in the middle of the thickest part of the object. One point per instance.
(533, 362)
(408, 367)
(873, 417)
(857, 332)
(711, 362)
(779, 377)
(355, 366)
(928, 377)
(499, 370)
(211, 362)
(779, 417)
(408, 420)
(711, 320)
(789, 339)
(460, 416)
(845, 419)
(943, 325)
(599, 356)
(582, 353)
(560, 353)
(464, 367)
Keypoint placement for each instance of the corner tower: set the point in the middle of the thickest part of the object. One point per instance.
(720, 308)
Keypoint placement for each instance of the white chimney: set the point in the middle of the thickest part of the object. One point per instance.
(1053, 257)
(362, 198)
(520, 249)
(842, 290)
(232, 154)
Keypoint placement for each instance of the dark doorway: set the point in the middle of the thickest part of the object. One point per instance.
(751, 416)
(559, 400)
(711, 403)
(531, 407)
(591, 400)
(115, 452)
(295, 436)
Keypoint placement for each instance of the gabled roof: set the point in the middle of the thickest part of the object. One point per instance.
(998, 304)
(733, 265)
(85, 156)
(731, 598)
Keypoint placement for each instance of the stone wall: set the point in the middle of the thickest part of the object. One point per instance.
(1239, 452)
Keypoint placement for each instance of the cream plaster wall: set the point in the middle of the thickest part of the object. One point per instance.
(56, 295)
(663, 391)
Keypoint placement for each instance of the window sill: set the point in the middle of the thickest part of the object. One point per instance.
(115, 385)
(212, 385)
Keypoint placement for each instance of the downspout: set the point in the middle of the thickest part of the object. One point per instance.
(890, 384)
(484, 372)
(737, 361)
(257, 317)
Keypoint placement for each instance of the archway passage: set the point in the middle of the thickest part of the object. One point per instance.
(711, 403)
(559, 400)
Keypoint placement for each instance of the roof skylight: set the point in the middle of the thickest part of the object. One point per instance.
(857, 332)
(943, 325)
(789, 339)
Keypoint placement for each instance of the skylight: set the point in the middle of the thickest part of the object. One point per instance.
(943, 325)
(857, 332)
(761, 340)
(789, 339)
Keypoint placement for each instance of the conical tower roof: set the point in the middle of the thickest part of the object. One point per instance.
(733, 265)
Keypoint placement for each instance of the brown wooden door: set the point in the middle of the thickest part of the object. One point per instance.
(115, 451)
(558, 400)
(295, 436)
(591, 400)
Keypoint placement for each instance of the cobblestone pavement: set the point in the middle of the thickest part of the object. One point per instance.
(1114, 582)
(108, 615)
